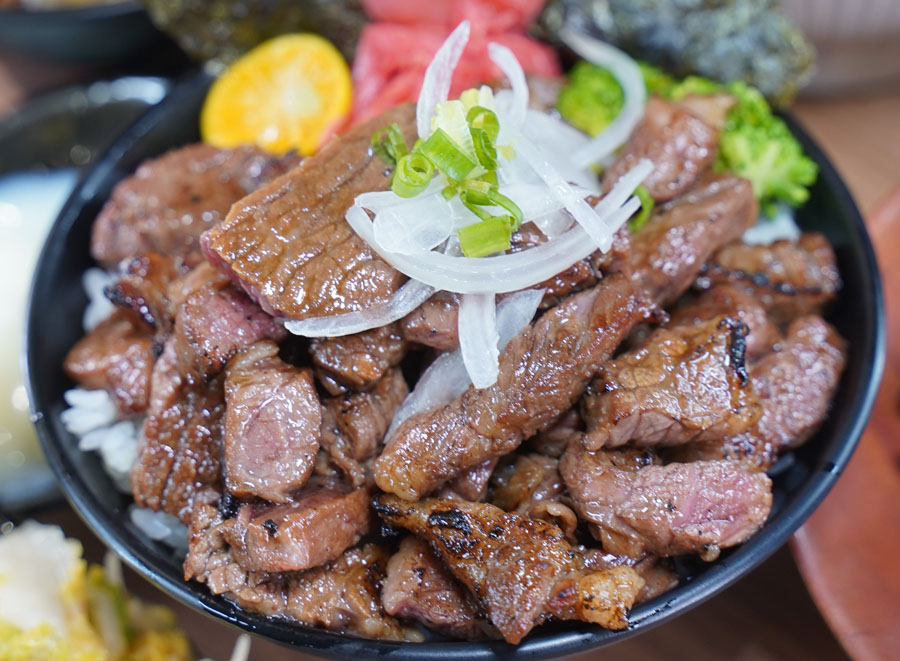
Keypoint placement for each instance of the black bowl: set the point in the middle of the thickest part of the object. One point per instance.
(800, 483)
(88, 34)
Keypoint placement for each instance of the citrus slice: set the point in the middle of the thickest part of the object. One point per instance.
(284, 94)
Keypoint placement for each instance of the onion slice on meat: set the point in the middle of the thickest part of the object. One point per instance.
(517, 106)
(405, 300)
(627, 72)
(477, 322)
(439, 76)
(446, 378)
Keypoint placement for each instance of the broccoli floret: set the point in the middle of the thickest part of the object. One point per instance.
(592, 98)
(755, 144)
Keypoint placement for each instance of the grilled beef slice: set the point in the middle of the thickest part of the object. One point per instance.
(353, 425)
(358, 361)
(419, 587)
(180, 444)
(544, 370)
(639, 506)
(680, 144)
(795, 385)
(531, 485)
(143, 287)
(791, 278)
(685, 383)
(273, 421)
(471, 484)
(117, 356)
(288, 244)
(521, 571)
(169, 201)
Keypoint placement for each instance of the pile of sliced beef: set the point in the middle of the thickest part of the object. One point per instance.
(632, 421)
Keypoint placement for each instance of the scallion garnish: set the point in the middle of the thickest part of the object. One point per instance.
(637, 221)
(390, 145)
(413, 174)
(487, 237)
(447, 156)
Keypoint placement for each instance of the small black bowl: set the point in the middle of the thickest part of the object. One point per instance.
(800, 484)
(86, 34)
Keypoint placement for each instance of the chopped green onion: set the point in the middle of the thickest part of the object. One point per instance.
(485, 238)
(413, 174)
(449, 192)
(486, 120)
(390, 144)
(515, 212)
(638, 220)
(484, 149)
(447, 156)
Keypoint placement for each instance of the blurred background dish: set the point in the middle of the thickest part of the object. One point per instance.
(90, 33)
(42, 150)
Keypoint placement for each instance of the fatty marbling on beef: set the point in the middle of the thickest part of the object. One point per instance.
(419, 587)
(171, 200)
(639, 506)
(687, 382)
(680, 144)
(288, 244)
(358, 361)
(117, 356)
(791, 278)
(545, 369)
(342, 595)
(353, 425)
(313, 528)
(521, 571)
(180, 443)
(795, 385)
(273, 421)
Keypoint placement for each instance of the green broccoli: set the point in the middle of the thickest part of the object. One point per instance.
(755, 144)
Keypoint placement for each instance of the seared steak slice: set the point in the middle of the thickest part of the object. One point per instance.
(668, 252)
(685, 383)
(522, 571)
(639, 506)
(358, 361)
(471, 484)
(117, 356)
(790, 278)
(288, 244)
(353, 425)
(435, 323)
(553, 442)
(315, 527)
(143, 285)
(181, 441)
(419, 587)
(169, 201)
(543, 371)
(531, 485)
(273, 421)
(658, 574)
(738, 303)
(680, 144)
(795, 385)
(580, 275)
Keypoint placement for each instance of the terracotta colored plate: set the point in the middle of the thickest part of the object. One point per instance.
(849, 550)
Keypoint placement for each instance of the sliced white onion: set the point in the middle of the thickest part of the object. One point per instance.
(554, 224)
(515, 105)
(405, 300)
(439, 76)
(584, 215)
(559, 141)
(769, 230)
(446, 378)
(477, 322)
(496, 274)
(419, 225)
(624, 187)
(628, 73)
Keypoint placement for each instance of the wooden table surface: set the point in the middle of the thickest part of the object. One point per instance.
(767, 615)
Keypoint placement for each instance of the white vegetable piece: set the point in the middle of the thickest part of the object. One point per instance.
(439, 76)
(477, 323)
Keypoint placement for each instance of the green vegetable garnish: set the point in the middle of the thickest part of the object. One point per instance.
(638, 220)
(755, 144)
(461, 148)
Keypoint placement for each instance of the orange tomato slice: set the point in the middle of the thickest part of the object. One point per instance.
(286, 93)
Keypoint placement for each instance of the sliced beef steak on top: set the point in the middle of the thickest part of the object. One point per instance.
(171, 200)
(143, 288)
(791, 278)
(288, 244)
(640, 506)
(419, 587)
(522, 571)
(117, 356)
(315, 527)
(273, 422)
(357, 361)
(685, 383)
